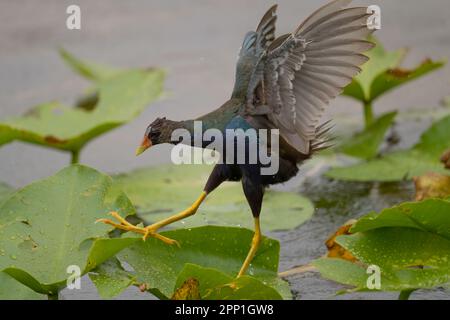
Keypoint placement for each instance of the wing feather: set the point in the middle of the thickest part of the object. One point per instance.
(303, 71)
(322, 12)
(266, 28)
(334, 20)
(248, 70)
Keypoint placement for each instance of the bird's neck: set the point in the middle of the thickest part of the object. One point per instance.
(190, 132)
(178, 129)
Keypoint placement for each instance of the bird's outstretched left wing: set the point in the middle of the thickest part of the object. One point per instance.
(256, 42)
(254, 46)
(301, 72)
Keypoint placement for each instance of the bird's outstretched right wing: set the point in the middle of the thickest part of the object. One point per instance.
(301, 72)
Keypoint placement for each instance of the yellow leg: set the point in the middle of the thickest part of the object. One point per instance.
(150, 231)
(254, 247)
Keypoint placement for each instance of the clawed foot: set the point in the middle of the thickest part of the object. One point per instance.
(147, 232)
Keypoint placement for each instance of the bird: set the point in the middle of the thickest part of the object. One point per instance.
(282, 84)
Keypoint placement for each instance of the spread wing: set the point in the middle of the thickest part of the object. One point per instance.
(255, 44)
(300, 73)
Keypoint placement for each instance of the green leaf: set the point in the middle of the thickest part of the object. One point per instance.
(436, 139)
(410, 243)
(347, 273)
(403, 247)
(365, 144)
(5, 191)
(420, 159)
(158, 265)
(428, 216)
(397, 77)
(111, 279)
(380, 61)
(121, 99)
(161, 191)
(50, 225)
(342, 271)
(382, 73)
(11, 289)
(216, 285)
(89, 70)
(396, 166)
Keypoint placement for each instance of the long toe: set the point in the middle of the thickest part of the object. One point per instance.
(147, 232)
(164, 239)
(122, 224)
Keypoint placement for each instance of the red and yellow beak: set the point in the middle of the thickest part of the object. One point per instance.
(145, 144)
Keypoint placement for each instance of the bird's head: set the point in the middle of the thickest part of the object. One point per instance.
(159, 131)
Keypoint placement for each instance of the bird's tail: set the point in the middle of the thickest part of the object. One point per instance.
(323, 138)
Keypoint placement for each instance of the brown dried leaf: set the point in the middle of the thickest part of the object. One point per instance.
(445, 159)
(432, 185)
(189, 290)
(399, 72)
(53, 140)
(334, 249)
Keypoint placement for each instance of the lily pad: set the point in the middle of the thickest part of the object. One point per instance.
(158, 192)
(120, 96)
(157, 266)
(410, 243)
(427, 216)
(49, 225)
(215, 285)
(11, 289)
(5, 191)
(89, 70)
(382, 73)
(111, 279)
(401, 165)
(121, 99)
(366, 144)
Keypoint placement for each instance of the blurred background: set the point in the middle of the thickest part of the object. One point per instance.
(196, 42)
